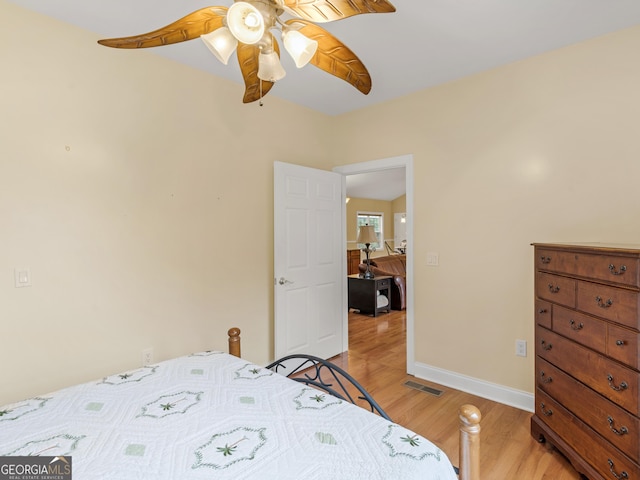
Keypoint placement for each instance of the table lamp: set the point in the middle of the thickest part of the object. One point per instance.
(367, 235)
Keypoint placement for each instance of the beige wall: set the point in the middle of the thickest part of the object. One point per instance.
(129, 185)
(545, 149)
(399, 205)
(132, 187)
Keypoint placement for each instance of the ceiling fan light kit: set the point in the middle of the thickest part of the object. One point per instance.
(245, 27)
(246, 22)
(301, 48)
(221, 43)
(269, 67)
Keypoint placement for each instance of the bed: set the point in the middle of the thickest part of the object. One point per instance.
(213, 415)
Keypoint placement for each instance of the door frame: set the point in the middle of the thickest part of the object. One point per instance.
(405, 161)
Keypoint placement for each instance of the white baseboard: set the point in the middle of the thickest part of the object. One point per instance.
(492, 391)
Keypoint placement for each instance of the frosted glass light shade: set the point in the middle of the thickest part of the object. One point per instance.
(301, 48)
(270, 68)
(245, 22)
(221, 43)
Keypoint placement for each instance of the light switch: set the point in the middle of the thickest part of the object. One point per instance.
(433, 259)
(22, 277)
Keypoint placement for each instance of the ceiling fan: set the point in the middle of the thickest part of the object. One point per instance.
(246, 28)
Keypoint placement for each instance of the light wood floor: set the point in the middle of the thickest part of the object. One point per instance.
(377, 358)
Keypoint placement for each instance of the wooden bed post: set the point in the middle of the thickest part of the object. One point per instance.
(469, 442)
(234, 341)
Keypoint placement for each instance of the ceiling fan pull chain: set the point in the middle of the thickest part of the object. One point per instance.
(261, 104)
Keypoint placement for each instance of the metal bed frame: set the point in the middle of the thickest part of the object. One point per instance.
(324, 375)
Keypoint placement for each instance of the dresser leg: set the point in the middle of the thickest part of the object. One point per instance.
(536, 432)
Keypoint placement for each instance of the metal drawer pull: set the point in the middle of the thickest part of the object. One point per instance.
(545, 345)
(623, 385)
(546, 413)
(579, 326)
(553, 289)
(612, 269)
(602, 304)
(618, 476)
(623, 430)
(620, 343)
(542, 311)
(545, 380)
(545, 260)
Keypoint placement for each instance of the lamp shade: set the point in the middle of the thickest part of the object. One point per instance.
(221, 43)
(245, 22)
(367, 234)
(269, 67)
(301, 48)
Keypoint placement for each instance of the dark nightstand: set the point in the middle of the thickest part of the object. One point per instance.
(363, 293)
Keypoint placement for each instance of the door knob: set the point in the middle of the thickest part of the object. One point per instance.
(284, 281)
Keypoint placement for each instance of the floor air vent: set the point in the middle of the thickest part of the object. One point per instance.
(423, 388)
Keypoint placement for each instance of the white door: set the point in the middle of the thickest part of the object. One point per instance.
(308, 261)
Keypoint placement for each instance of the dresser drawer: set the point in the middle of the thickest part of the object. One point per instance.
(609, 268)
(556, 289)
(555, 261)
(543, 313)
(622, 344)
(614, 381)
(616, 304)
(589, 331)
(605, 458)
(612, 422)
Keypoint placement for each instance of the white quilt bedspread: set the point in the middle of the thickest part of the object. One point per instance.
(213, 416)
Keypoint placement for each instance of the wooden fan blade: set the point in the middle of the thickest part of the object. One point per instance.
(202, 21)
(248, 59)
(335, 57)
(330, 10)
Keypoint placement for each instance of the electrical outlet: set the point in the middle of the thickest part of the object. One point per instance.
(521, 348)
(147, 357)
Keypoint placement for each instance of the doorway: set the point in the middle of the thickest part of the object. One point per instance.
(406, 162)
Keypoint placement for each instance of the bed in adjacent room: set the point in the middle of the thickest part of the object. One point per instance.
(214, 415)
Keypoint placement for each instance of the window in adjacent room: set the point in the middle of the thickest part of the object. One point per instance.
(375, 219)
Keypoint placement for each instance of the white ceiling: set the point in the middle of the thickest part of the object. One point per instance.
(424, 43)
(383, 185)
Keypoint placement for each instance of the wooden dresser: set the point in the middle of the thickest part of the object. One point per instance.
(587, 363)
